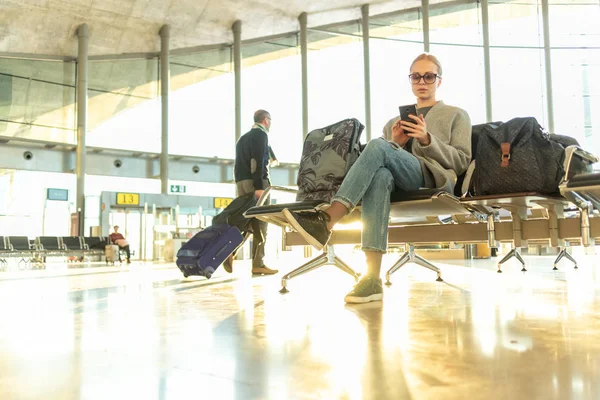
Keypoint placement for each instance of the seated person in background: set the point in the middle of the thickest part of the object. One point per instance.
(120, 241)
(430, 151)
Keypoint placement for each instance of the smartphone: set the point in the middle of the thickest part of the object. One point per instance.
(405, 111)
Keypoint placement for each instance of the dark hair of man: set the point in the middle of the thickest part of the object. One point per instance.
(260, 115)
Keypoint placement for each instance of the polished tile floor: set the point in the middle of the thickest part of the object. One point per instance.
(143, 332)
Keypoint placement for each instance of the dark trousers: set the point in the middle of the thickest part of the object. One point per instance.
(127, 252)
(259, 228)
(259, 239)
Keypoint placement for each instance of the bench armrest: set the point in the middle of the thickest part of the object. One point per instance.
(575, 159)
(267, 191)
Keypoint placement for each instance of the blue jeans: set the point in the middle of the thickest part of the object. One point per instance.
(379, 169)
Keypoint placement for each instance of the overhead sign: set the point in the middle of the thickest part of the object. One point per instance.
(177, 189)
(58, 194)
(222, 202)
(128, 199)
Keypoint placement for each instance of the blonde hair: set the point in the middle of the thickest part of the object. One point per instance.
(429, 57)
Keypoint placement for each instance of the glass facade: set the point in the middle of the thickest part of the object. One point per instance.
(335, 77)
(24, 206)
(201, 104)
(37, 100)
(124, 95)
(271, 80)
(395, 42)
(576, 70)
(123, 105)
(517, 61)
(456, 36)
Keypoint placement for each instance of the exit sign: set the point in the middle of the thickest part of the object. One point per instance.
(177, 189)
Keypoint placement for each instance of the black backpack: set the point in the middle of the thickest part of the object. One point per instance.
(233, 215)
(517, 156)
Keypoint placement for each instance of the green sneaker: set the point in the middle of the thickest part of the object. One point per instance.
(366, 290)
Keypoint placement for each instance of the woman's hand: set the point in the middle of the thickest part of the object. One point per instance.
(417, 130)
(398, 134)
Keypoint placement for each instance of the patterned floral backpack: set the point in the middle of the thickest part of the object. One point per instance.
(327, 156)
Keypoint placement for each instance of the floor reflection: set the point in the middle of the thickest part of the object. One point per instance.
(144, 332)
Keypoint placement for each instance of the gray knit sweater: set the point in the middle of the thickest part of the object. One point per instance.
(449, 153)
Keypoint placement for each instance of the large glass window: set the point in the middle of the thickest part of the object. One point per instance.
(201, 104)
(395, 42)
(26, 210)
(517, 60)
(123, 105)
(335, 76)
(457, 41)
(576, 70)
(271, 80)
(37, 100)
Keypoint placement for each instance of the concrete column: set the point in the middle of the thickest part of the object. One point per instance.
(425, 7)
(485, 24)
(237, 68)
(165, 76)
(82, 98)
(304, 59)
(367, 68)
(548, 64)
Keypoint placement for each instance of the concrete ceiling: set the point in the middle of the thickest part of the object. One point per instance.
(48, 27)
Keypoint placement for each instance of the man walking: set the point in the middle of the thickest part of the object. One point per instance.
(251, 175)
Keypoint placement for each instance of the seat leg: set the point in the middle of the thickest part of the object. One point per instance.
(338, 262)
(411, 256)
(564, 253)
(313, 264)
(405, 258)
(518, 256)
(513, 253)
(424, 263)
(327, 257)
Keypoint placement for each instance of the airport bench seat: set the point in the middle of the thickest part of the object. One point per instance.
(407, 207)
(433, 216)
(72, 244)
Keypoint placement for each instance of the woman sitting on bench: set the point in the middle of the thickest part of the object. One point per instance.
(118, 239)
(430, 151)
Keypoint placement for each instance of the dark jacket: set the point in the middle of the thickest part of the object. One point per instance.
(252, 158)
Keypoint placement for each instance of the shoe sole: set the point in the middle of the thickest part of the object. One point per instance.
(307, 236)
(254, 272)
(360, 300)
(228, 268)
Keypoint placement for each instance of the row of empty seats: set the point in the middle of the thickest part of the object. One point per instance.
(35, 250)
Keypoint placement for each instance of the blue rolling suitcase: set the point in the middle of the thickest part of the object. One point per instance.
(203, 253)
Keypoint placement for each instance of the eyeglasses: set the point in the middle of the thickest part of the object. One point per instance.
(428, 77)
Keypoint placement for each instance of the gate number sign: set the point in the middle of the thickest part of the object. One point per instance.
(128, 199)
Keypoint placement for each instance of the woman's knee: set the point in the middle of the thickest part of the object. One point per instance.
(382, 181)
(376, 145)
